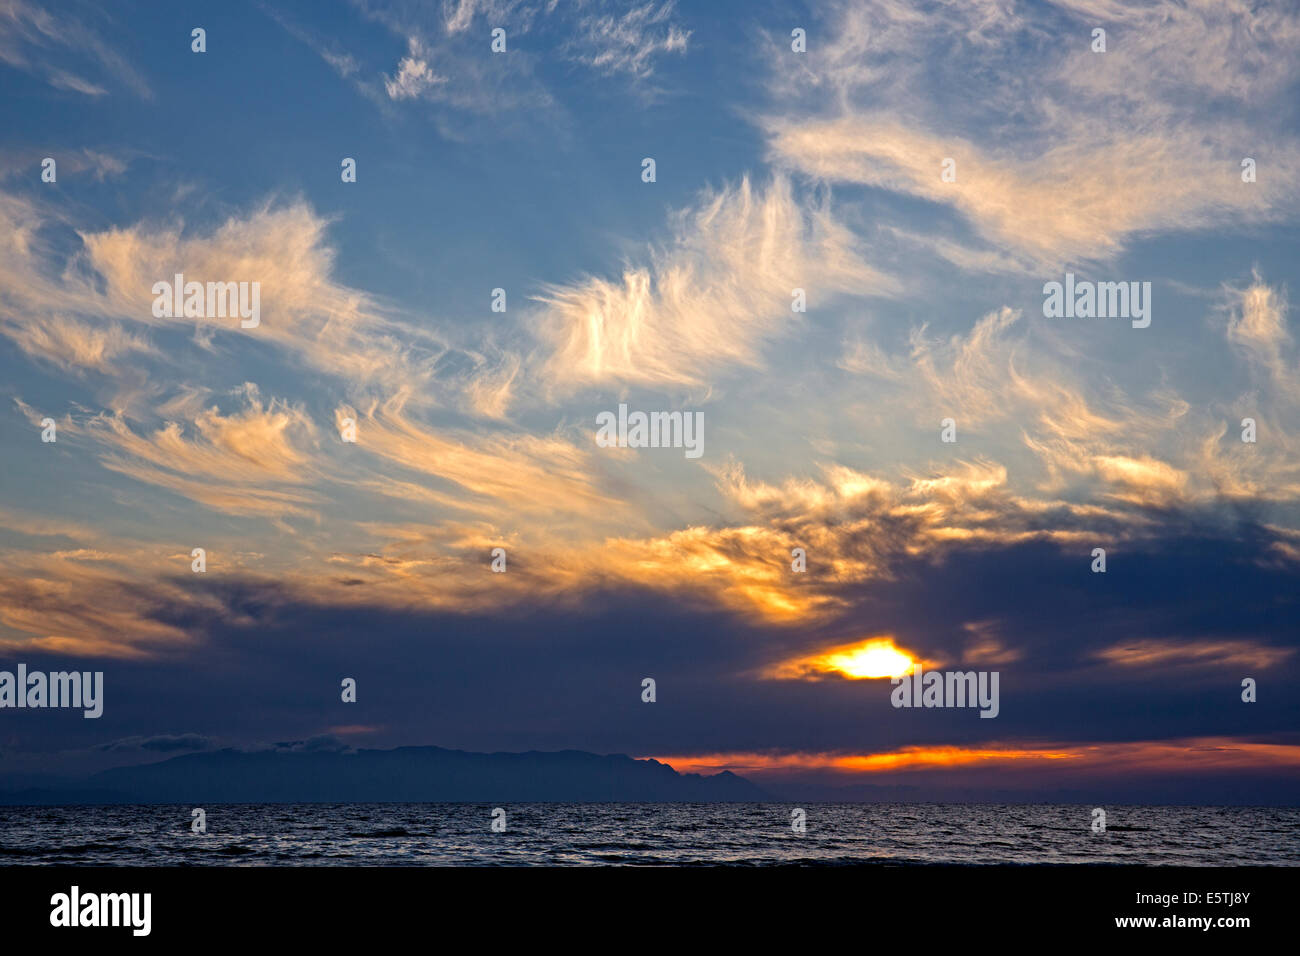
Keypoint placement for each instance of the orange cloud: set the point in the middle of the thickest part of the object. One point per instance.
(1166, 756)
(1170, 653)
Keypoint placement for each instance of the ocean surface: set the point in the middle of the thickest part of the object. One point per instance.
(641, 834)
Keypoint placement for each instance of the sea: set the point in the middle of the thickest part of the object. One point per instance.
(646, 834)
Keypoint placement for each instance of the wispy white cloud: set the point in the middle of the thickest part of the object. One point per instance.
(30, 36)
(328, 49)
(462, 80)
(413, 76)
(714, 296)
(628, 41)
(62, 80)
(1060, 160)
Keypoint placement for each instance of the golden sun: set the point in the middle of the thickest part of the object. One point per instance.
(874, 658)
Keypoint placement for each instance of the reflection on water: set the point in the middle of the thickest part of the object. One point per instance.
(645, 834)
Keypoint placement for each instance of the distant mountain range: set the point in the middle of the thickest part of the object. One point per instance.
(406, 774)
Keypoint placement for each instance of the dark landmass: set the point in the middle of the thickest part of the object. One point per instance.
(403, 775)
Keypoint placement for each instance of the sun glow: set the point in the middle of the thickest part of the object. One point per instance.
(874, 658)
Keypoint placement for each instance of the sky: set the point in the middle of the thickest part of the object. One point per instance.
(505, 269)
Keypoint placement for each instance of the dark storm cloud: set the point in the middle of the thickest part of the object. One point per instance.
(572, 678)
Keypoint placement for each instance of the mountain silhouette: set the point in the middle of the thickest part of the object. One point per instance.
(402, 775)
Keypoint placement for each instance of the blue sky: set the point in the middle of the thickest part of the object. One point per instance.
(775, 170)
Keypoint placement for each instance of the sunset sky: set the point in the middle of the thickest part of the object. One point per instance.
(774, 170)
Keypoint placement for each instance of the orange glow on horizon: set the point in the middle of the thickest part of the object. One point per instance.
(1166, 756)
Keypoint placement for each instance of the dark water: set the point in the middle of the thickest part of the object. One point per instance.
(641, 834)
